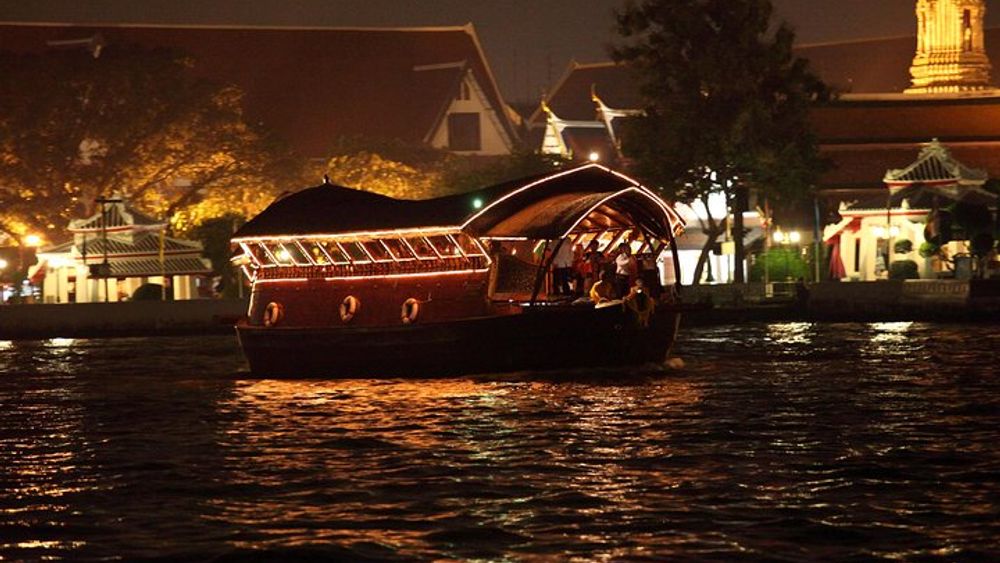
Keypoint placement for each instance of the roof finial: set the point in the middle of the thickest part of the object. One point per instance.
(326, 180)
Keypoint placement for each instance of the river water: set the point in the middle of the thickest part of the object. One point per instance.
(776, 441)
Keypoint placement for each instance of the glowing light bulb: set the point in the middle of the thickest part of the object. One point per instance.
(477, 203)
(594, 156)
(32, 240)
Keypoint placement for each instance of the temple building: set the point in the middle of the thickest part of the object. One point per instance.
(867, 238)
(929, 94)
(115, 252)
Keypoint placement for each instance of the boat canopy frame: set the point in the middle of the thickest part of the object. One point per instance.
(312, 233)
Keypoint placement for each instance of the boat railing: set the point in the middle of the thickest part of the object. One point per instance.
(375, 269)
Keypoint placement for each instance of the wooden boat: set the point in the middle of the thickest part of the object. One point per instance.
(347, 283)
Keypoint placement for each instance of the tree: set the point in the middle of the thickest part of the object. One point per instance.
(404, 171)
(726, 101)
(137, 122)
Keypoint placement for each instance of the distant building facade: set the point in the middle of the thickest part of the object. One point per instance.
(311, 86)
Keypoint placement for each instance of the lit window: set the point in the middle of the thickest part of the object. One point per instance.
(398, 249)
(444, 246)
(355, 251)
(296, 254)
(335, 252)
(421, 248)
(279, 254)
(377, 251)
(469, 246)
(316, 253)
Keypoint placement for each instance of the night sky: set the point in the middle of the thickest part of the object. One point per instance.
(529, 42)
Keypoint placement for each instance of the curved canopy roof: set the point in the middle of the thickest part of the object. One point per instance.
(543, 206)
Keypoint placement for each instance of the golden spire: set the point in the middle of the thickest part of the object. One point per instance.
(951, 53)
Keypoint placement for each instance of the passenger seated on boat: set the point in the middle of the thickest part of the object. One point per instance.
(640, 303)
(602, 291)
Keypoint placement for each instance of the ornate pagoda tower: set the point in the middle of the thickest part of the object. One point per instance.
(951, 55)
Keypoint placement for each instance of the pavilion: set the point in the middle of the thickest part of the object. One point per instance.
(864, 240)
(113, 253)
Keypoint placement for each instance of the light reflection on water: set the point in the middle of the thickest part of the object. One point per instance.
(789, 440)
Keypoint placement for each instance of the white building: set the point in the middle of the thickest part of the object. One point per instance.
(136, 252)
(864, 240)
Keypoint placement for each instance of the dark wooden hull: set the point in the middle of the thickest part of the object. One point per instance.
(540, 339)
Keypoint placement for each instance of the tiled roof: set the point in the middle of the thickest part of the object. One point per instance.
(875, 65)
(311, 85)
(142, 243)
(904, 118)
(115, 215)
(864, 166)
(152, 267)
(935, 164)
(571, 97)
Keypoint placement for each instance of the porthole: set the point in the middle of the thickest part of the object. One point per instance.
(349, 307)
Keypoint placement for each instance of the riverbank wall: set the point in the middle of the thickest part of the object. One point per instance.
(879, 301)
(128, 318)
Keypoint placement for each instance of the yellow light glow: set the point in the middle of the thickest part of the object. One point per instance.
(778, 237)
(794, 237)
(32, 240)
(355, 235)
(3, 264)
(378, 277)
(594, 156)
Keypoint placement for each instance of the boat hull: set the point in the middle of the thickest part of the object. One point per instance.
(540, 339)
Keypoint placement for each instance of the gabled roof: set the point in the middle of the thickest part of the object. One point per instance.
(311, 85)
(864, 166)
(172, 266)
(571, 97)
(142, 243)
(874, 65)
(541, 206)
(116, 216)
(935, 165)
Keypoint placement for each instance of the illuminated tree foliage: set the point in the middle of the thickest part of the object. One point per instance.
(726, 101)
(406, 171)
(132, 121)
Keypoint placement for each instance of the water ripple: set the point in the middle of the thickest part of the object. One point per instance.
(786, 441)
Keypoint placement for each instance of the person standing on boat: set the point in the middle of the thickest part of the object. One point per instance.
(624, 266)
(593, 263)
(562, 267)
